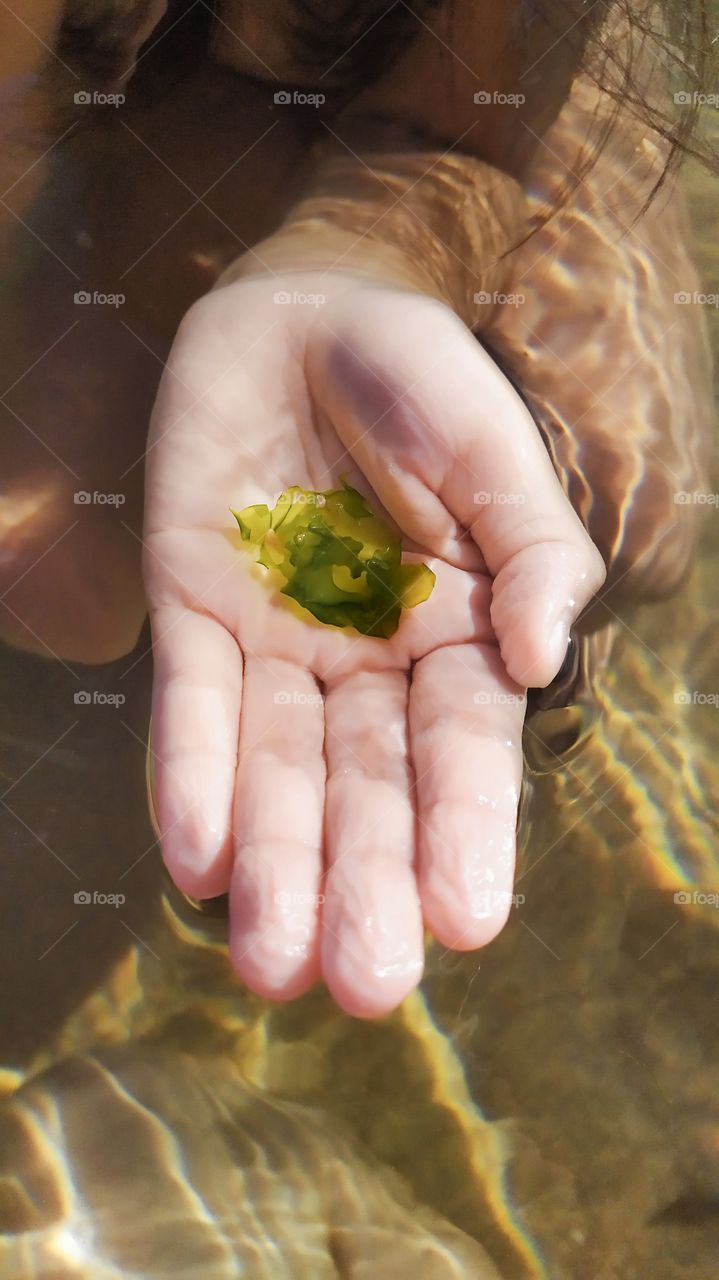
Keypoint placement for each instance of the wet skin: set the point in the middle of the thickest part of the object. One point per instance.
(305, 767)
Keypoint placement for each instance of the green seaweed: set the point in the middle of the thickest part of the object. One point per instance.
(339, 560)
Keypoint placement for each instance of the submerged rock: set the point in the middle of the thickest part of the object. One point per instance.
(152, 1163)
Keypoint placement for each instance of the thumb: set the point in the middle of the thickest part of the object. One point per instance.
(456, 459)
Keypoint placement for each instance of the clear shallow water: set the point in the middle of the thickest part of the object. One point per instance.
(550, 1103)
(553, 1097)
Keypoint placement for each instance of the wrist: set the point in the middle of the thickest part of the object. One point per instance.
(437, 224)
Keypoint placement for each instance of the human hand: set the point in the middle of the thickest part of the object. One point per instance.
(346, 789)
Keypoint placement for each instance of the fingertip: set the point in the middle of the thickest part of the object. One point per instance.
(532, 652)
(466, 876)
(372, 942)
(274, 924)
(192, 803)
(275, 966)
(267, 974)
(370, 995)
(536, 599)
(457, 928)
(198, 881)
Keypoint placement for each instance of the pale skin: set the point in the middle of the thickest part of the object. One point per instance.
(348, 791)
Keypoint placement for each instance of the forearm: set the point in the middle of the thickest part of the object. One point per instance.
(418, 172)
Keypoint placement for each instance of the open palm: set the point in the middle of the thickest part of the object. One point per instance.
(345, 788)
